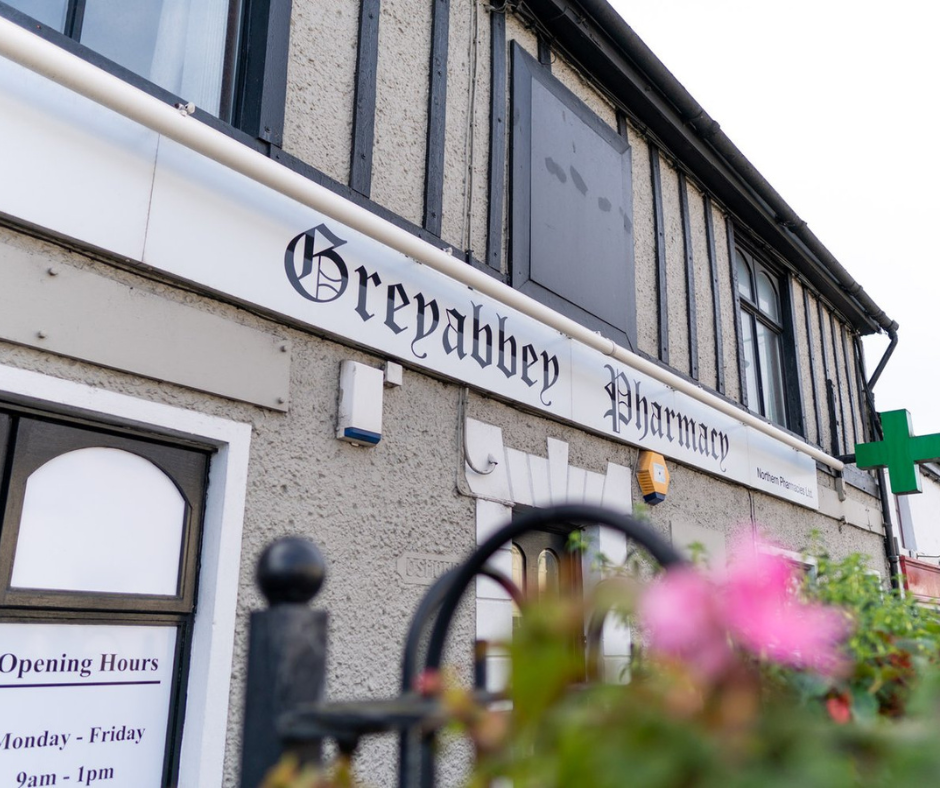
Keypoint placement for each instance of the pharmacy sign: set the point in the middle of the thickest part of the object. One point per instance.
(900, 452)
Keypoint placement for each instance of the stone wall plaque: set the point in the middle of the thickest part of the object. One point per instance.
(424, 568)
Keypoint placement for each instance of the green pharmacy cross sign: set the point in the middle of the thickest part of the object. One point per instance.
(900, 452)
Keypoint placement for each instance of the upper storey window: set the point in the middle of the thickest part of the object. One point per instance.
(179, 45)
(572, 207)
(763, 330)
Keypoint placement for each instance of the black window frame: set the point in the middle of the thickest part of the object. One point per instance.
(254, 78)
(747, 309)
(525, 71)
(185, 464)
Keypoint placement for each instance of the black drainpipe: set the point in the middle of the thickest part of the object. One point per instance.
(894, 563)
(884, 359)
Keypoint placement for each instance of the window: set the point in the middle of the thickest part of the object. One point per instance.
(572, 211)
(228, 57)
(179, 45)
(99, 539)
(766, 340)
(803, 566)
(543, 567)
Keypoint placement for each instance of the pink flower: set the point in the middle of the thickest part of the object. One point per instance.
(839, 708)
(429, 683)
(763, 614)
(681, 619)
(688, 617)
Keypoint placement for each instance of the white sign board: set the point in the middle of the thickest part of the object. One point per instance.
(84, 704)
(206, 224)
(247, 241)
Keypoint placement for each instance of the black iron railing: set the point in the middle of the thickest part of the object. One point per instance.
(285, 709)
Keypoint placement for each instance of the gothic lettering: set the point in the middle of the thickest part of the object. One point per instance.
(453, 333)
(634, 416)
(529, 358)
(505, 341)
(656, 419)
(550, 372)
(395, 292)
(364, 278)
(487, 333)
(317, 271)
(318, 256)
(641, 406)
(435, 319)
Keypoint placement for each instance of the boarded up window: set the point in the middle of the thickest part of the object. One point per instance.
(572, 208)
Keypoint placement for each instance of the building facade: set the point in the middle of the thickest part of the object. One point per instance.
(915, 521)
(379, 274)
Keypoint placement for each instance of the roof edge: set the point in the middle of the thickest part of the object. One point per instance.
(691, 115)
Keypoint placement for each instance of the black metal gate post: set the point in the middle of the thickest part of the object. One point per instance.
(284, 710)
(286, 655)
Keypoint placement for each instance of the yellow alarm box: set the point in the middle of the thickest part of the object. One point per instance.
(653, 476)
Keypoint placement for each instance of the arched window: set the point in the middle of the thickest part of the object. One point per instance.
(763, 338)
(549, 582)
(543, 567)
(518, 579)
(100, 519)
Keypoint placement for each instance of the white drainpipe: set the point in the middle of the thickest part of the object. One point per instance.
(54, 63)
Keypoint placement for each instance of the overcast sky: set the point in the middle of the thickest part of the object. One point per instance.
(837, 103)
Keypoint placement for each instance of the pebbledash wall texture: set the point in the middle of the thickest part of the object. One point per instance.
(150, 293)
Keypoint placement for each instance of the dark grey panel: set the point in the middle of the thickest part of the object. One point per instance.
(572, 229)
